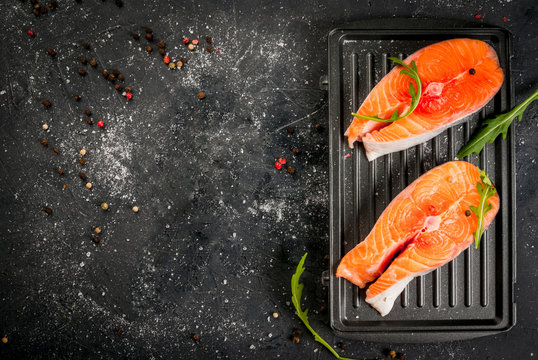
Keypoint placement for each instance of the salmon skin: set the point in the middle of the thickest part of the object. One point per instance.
(458, 76)
(424, 227)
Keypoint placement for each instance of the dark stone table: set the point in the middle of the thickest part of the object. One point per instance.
(219, 230)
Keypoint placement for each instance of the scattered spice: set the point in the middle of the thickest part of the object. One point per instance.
(87, 112)
(121, 77)
(318, 127)
(341, 345)
(82, 161)
(30, 33)
(115, 71)
(81, 71)
(93, 63)
(119, 331)
(45, 127)
(97, 230)
(149, 48)
(82, 152)
(282, 160)
(467, 212)
(185, 41)
(56, 150)
(136, 36)
(209, 48)
(46, 103)
(48, 210)
(128, 89)
(4, 340)
(135, 209)
(148, 30)
(179, 64)
(184, 60)
(172, 65)
(119, 3)
(278, 165)
(392, 354)
(51, 52)
(472, 71)
(76, 97)
(348, 155)
(89, 185)
(83, 60)
(105, 73)
(296, 339)
(149, 36)
(196, 337)
(104, 206)
(82, 175)
(36, 12)
(275, 315)
(161, 44)
(162, 51)
(296, 150)
(95, 239)
(100, 123)
(297, 331)
(195, 42)
(85, 45)
(166, 59)
(291, 170)
(478, 16)
(505, 19)
(290, 130)
(191, 47)
(400, 356)
(111, 77)
(43, 10)
(118, 87)
(129, 96)
(60, 171)
(201, 95)
(44, 142)
(208, 39)
(89, 121)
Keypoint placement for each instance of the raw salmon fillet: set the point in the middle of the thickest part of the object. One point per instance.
(423, 228)
(458, 78)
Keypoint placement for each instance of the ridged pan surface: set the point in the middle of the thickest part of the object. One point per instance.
(472, 295)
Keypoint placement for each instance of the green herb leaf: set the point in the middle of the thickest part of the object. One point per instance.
(486, 190)
(297, 293)
(491, 128)
(415, 94)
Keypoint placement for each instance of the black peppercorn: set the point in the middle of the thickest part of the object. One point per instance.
(161, 44)
(467, 212)
(149, 36)
(115, 71)
(318, 127)
(472, 71)
(83, 60)
(209, 39)
(95, 239)
(51, 52)
(128, 89)
(46, 103)
(76, 97)
(296, 150)
(148, 30)
(297, 331)
(184, 60)
(105, 73)
(118, 87)
(44, 142)
(89, 121)
(290, 130)
(82, 161)
(136, 36)
(196, 337)
(86, 45)
(121, 77)
(36, 12)
(82, 175)
(60, 171)
(291, 170)
(209, 48)
(56, 150)
(341, 345)
(149, 49)
(93, 63)
(296, 339)
(111, 77)
(81, 72)
(87, 112)
(48, 210)
(119, 3)
(43, 10)
(162, 51)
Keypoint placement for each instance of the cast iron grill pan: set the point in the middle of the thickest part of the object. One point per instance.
(472, 295)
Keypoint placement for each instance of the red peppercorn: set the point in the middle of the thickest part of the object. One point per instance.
(505, 19)
(195, 42)
(129, 96)
(166, 59)
(30, 33)
(185, 40)
(282, 161)
(100, 123)
(278, 165)
(348, 155)
(218, 51)
(478, 16)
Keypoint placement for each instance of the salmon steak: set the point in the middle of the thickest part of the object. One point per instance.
(458, 77)
(424, 227)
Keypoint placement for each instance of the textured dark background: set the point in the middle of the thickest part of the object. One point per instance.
(220, 230)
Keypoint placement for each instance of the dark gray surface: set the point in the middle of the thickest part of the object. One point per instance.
(220, 230)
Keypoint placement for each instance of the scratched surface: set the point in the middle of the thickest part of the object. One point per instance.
(219, 230)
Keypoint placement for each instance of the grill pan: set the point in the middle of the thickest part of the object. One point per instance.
(471, 296)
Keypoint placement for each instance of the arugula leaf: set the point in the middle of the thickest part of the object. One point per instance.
(491, 128)
(297, 293)
(415, 94)
(486, 190)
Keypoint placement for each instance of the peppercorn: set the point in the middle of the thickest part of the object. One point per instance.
(89, 121)
(36, 12)
(43, 10)
(76, 97)
(105, 73)
(209, 48)
(162, 51)
(111, 77)
(4, 340)
(81, 71)
(166, 59)
(60, 171)
(97, 230)
(318, 127)
(467, 212)
(93, 63)
(472, 71)
(296, 150)
(149, 48)
(201, 95)
(161, 44)
(119, 3)
(48, 210)
(196, 337)
(296, 339)
(172, 65)
(291, 170)
(82, 161)
(148, 30)
(86, 45)
(52, 5)
(89, 185)
(184, 60)
(44, 142)
(82, 152)
(400, 356)
(115, 71)
(82, 175)
(100, 123)
(45, 127)
(46, 103)
(128, 89)
(341, 345)
(95, 239)
(83, 60)
(179, 64)
(135, 209)
(290, 130)
(121, 77)
(136, 36)
(208, 39)
(392, 354)
(51, 52)
(104, 206)
(118, 87)
(191, 47)
(56, 150)
(149, 36)
(297, 331)
(87, 112)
